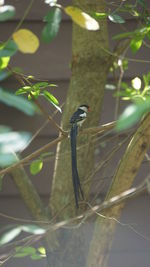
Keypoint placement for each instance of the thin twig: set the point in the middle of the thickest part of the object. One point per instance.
(99, 129)
(117, 106)
(24, 15)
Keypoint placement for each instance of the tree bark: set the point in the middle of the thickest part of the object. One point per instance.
(89, 71)
(29, 194)
(90, 66)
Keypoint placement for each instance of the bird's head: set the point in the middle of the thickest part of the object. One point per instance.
(85, 108)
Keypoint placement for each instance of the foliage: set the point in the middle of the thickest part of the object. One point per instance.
(140, 97)
(20, 103)
(52, 19)
(11, 143)
(81, 18)
(33, 253)
(11, 234)
(36, 166)
(7, 12)
(26, 41)
(137, 91)
(39, 89)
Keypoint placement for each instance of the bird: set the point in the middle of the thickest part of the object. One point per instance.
(77, 119)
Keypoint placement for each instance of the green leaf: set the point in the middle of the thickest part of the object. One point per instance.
(81, 18)
(23, 90)
(123, 35)
(28, 250)
(10, 143)
(20, 91)
(146, 79)
(20, 255)
(115, 18)
(7, 159)
(7, 12)
(36, 257)
(128, 118)
(4, 61)
(9, 235)
(41, 85)
(18, 102)
(137, 34)
(36, 166)
(42, 250)
(13, 141)
(53, 85)
(52, 27)
(34, 94)
(99, 15)
(142, 31)
(8, 49)
(33, 229)
(50, 97)
(24, 251)
(132, 114)
(135, 44)
(52, 100)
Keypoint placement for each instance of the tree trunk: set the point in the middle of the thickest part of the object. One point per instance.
(90, 66)
(89, 72)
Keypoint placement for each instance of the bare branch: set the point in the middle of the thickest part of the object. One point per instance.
(100, 129)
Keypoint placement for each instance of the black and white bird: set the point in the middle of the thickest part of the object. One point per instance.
(77, 120)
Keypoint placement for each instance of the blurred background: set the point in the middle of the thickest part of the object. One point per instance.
(131, 246)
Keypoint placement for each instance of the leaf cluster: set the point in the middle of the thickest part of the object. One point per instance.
(33, 253)
(33, 91)
(139, 94)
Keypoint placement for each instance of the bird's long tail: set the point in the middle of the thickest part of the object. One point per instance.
(75, 176)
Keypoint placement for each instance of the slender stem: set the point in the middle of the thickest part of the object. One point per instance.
(49, 117)
(117, 106)
(24, 15)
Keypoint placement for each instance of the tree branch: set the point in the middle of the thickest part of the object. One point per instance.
(100, 129)
(95, 130)
(32, 155)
